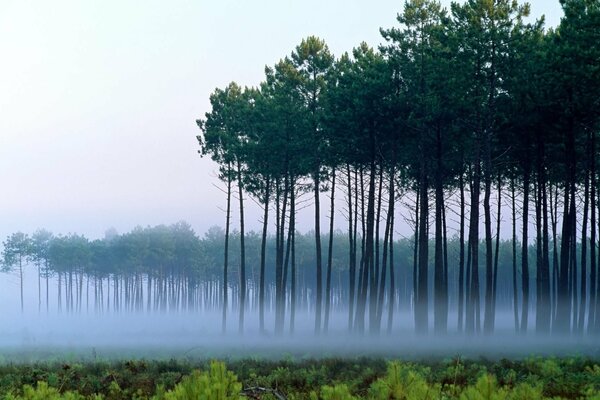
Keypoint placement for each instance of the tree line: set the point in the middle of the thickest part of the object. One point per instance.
(170, 269)
(472, 115)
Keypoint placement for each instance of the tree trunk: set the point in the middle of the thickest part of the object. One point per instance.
(438, 279)
(593, 271)
(263, 246)
(319, 301)
(352, 254)
(392, 292)
(329, 255)
(583, 281)
(242, 252)
(421, 302)
(496, 253)
(461, 257)
(226, 250)
(525, 254)
(514, 257)
(293, 260)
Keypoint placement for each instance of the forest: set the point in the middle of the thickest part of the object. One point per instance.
(472, 127)
(471, 115)
(418, 219)
(169, 269)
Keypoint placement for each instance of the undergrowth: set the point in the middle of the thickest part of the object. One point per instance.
(328, 379)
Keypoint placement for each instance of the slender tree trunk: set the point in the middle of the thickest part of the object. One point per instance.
(391, 209)
(593, 271)
(461, 257)
(421, 303)
(525, 254)
(488, 323)
(496, 253)
(514, 257)
(226, 250)
(583, 281)
(39, 271)
(368, 277)
(364, 264)
(555, 257)
(374, 325)
(242, 251)
(472, 323)
(263, 247)
(352, 254)
(329, 255)
(438, 280)
(319, 296)
(293, 260)
(288, 249)
(21, 281)
(416, 260)
(386, 235)
(47, 272)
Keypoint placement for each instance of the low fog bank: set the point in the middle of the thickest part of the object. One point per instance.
(187, 335)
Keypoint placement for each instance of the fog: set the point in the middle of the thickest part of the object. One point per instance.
(98, 130)
(187, 335)
(38, 335)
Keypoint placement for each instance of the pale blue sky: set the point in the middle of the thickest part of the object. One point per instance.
(98, 100)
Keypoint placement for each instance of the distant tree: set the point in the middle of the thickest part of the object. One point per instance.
(40, 244)
(17, 248)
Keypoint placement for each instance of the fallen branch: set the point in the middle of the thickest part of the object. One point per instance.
(256, 391)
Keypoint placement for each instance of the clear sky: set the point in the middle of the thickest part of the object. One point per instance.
(98, 100)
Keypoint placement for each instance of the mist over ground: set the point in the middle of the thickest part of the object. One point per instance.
(33, 337)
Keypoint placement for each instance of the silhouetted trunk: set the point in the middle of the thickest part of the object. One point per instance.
(319, 295)
(359, 319)
(555, 257)
(514, 256)
(525, 254)
(226, 249)
(421, 301)
(384, 263)
(583, 280)
(563, 312)
(293, 260)
(351, 251)
(416, 260)
(391, 208)
(496, 252)
(439, 296)
(263, 247)
(472, 321)
(488, 323)
(368, 276)
(291, 189)
(281, 210)
(329, 254)
(242, 251)
(543, 304)
(593, 272)
(461, 256)
(374, 270)
(596, 318)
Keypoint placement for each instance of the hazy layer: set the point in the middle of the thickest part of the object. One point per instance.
(199, 335)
